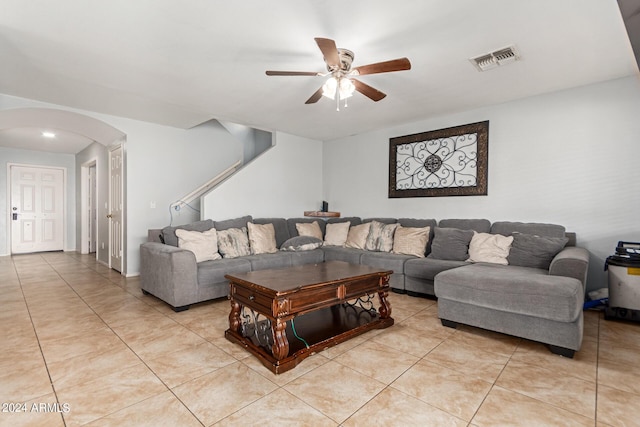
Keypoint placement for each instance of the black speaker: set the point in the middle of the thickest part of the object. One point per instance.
(325, 206)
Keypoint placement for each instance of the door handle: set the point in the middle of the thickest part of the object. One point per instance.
(15, 216)
(109, 216)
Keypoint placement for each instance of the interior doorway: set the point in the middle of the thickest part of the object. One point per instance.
(89, 208)
(37, 211)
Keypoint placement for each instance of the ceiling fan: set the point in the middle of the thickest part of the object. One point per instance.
(342, 82)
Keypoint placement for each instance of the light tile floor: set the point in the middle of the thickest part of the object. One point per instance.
(81, 345)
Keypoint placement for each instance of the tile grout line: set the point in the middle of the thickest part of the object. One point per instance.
(33, 326)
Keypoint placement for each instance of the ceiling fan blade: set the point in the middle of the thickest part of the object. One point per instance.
(293, 73)
(329, 51)
(368, 91)
(315, 97)
(399, 64)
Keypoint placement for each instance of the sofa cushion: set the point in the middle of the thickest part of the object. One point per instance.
(487, 247)
(301, 243)
(506, 228)
(338, 253)
(212, 272)
(451, 244)
(204, 245)
(262, 238)
(479, 225)
(280, 227)
(380, 237)
(529, 250)
(427, 268)
(357, 237)
(336, 233)
(169, 233)
(411, 241)
(233, 223)
(385, 261)
(234, 242)
(382, 220)
(354, 220)
(513, 289)
(315, 256)
(279, 259)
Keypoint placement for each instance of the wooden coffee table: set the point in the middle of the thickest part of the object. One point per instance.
(284, 315)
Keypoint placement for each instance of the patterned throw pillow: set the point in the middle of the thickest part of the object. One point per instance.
(204, 245)
(411, 240)
(301, 243)
(233, 242)
(262, 238)
(380, 237)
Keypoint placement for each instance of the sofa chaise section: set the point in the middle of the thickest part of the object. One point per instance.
(540, 303)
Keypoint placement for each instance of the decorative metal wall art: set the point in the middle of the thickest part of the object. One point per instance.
(444, 162)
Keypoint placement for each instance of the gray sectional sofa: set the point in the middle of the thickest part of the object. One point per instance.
(537, 295)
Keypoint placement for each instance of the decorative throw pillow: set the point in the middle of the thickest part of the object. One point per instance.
(309, 229)
(301, 243)
(233, 242)
(450, 244)
(486, 247)
(529, 250)
(204, 245)
(380, 237)
(262, 238)
(336, 234)
(411, 240)
(357, 236)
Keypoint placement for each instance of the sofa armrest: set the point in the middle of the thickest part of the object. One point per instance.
(169, 273)
(571, 262)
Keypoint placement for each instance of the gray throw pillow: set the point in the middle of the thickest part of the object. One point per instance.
(301, 243)
(528, 250)
(451, 244)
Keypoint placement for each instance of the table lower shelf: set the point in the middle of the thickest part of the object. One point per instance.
(320, 329)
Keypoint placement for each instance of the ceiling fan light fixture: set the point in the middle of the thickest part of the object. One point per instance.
(344, 87)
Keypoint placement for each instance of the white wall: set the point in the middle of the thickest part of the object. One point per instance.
(568, 157)
(38, 158)
(162, 164)
(284, 182)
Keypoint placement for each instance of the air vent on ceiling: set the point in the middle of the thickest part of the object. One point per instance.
(496, 58)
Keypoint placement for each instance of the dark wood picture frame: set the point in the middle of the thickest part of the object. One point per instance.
(443, 162)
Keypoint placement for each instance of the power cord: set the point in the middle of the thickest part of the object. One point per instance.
(293, 328)
(177, 209)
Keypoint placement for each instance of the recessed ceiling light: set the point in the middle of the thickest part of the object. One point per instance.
(48, 134)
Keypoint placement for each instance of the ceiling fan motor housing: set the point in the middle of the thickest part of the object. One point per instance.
(346, 59)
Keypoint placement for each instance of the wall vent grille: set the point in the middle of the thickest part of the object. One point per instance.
(495, 59)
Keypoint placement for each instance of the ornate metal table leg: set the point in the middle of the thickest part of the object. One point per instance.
(385, 305)
(280, 348)
(234, 316)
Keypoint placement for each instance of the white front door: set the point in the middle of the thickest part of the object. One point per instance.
(37, 209)
(115, 208)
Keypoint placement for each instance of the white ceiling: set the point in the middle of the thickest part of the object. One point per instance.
(183, 63)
